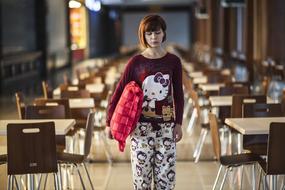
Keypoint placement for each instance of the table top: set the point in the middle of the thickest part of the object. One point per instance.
(253, 126)
(200, 80)
(211, 87)
(62, 126)
(95, 88)
(196, 74)
(217, 101)
(81, 103)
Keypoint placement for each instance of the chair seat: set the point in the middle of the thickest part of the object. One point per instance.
(239, 159)
(260, 149)
(70, 158)
(3, 158)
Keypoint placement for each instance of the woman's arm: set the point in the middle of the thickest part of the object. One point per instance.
(178, 92)
(125, 79)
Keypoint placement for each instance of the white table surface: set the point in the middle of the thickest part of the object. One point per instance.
(251, 126)
(211, 87)
(200, 80)
(196, 74)
(92, 88)
(95, 88)
(62, 126)
(81, 103)
(217, 101)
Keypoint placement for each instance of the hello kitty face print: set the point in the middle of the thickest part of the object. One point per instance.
(155, 88)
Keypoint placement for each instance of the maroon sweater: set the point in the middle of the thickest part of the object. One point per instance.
(161, 82)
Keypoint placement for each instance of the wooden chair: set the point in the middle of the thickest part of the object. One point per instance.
(47, 92)
(274, 163)
(258, 143)
(55, 102)
(48, 112)
(239, 100)
(20, 105)
(31, 150)
(225, 111)
(78, 159)
(228, 161)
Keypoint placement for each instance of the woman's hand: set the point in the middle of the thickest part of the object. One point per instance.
(177, 133)
(108, 132)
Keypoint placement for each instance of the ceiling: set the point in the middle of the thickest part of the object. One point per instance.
(147, 2)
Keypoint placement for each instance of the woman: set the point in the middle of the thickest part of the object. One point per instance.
(159, 73)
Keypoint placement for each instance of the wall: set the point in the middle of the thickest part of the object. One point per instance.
(57, 49)
(177, 27)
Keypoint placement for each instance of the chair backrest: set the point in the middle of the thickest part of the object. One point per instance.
(48, 102)
(262, 110)
(20, 104)
(230, 90)
(239, 100)
(275, 149)
(45, 112)
(75, 94)
(89, 133)
(215, 135)
(31, 148)
(47, 92)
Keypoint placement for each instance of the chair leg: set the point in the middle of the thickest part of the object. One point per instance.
(46, 181)
(60, 175)
(242, 168)
(9, 182)
(198, 144)
(217, 178)
(88, 175)
(106, 147)
(204, 135)
(192, 121)
(224, 178)
(265, 184)
(81, 180)
(40, 181)
(187, 109)
(253, 177)
(259, 179)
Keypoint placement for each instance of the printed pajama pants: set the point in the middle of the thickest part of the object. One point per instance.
(153, 152)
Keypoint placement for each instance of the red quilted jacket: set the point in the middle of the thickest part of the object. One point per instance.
(127, 113)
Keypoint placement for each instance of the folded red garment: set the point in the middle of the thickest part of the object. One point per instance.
(127, 113)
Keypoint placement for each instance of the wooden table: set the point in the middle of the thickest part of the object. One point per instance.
(211, 87)
(252, 126)
(217, 101)
(81, 103)
(62, 126)
(200, 80)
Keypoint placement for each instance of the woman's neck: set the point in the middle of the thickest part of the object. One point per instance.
(154, 53)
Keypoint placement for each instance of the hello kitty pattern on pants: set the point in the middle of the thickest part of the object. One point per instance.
(153, 152)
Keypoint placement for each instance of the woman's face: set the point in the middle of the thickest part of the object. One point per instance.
(154, 38)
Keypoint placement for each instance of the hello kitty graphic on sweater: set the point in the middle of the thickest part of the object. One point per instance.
(161, 82)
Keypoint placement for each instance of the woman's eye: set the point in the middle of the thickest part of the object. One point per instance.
(157, 32)
(148, 33)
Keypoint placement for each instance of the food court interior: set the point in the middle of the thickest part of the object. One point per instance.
(61, 61)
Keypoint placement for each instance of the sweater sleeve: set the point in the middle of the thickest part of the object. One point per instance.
(125, 79)
(178, 92)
